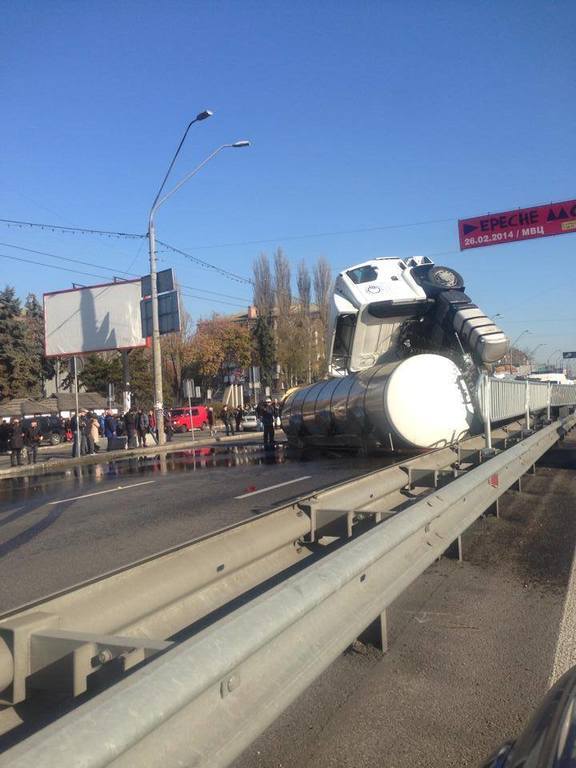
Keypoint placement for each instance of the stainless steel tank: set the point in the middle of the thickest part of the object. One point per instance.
(419, 402)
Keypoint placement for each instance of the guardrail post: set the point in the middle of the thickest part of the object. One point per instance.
(549, 402)
(485, 389)
(527, 404)
(376, 634)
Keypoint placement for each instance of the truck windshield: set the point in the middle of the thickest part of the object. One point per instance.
(344, 335)
(363, 274)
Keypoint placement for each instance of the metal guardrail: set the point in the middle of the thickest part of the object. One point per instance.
(128, 615)
(205, 701)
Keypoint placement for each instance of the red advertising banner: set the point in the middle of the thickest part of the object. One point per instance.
(521, 224)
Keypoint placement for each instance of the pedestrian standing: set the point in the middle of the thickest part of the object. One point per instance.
(130, 427)
(276, 409)
(211, 421)
(78, 427)
(4, 436)
(16, 442)
(141, 427)
(109, 425)
(110, 428)
(88, 433)
(152, 430)
(227, 420)
(32, 438)
(94, 429)
(168, 427)
(267, 417)
(238, 416)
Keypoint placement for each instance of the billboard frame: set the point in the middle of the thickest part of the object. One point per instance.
(92, 351)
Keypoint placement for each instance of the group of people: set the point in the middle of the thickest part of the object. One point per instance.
(267, 411)
(232, 417)
(17, 438)
(136, 424)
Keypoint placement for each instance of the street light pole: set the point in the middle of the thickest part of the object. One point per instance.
(156, 350)
(533, 352)
(512, 346)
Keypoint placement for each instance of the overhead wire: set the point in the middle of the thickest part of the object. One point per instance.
(115, 271)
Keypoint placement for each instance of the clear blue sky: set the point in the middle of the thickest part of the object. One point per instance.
(362, 115)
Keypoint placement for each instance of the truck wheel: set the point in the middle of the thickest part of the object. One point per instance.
(445, 278)
(55, 438)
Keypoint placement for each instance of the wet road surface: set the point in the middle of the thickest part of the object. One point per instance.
(61, 528)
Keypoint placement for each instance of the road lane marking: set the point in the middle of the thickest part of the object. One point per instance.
(99, 493)
(11, 511)
(272, 487)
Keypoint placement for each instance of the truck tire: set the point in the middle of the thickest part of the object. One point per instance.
(445, 278)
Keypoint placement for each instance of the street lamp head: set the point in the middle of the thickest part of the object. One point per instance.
(204, 115)
(242, 143)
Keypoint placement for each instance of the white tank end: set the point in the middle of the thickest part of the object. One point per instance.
(427, 402)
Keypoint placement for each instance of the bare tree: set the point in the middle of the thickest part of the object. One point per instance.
(322, 287)
(322, 294)
(304, 284)
(263, 286)
(282, 281)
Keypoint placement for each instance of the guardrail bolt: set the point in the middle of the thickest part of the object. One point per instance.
(229, 685)
(104, 655)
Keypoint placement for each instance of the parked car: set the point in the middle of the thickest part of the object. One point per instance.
(251, 423)
(184, 418)
(52, 428)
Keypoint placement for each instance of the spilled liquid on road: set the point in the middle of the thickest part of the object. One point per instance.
(90, 476)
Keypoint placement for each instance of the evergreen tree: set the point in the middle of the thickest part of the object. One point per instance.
(34, 323)
(98, 370)
(12, 346)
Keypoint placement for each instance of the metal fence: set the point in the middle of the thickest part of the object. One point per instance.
(501, 399)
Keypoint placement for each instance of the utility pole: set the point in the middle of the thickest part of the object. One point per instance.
(156, 350)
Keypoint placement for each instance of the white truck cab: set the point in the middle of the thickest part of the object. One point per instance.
(387, 308)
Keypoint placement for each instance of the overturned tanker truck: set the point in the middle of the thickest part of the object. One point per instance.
(405, 348)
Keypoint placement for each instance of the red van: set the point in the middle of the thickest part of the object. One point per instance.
(183, 422)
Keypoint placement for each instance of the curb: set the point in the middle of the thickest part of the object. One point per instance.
(42, 467)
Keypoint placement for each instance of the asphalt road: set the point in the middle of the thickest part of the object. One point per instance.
(473, 648)
(62, 528)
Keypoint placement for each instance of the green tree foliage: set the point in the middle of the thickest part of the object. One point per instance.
(216, 342)
(21, 346)
(34, 322)
(141, 379)
(100, 369)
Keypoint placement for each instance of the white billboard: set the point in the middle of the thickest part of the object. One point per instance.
(93, 319)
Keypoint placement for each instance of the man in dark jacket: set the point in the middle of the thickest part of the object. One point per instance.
(267, 417)
(78, 427)
(238, 416)
(211, 421)
(142, 425)
(227, 420)
(32, 439)
(16, 442)
(4, 436)
(130, 426)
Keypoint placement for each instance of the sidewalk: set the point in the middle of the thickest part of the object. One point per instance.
(59, 457)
